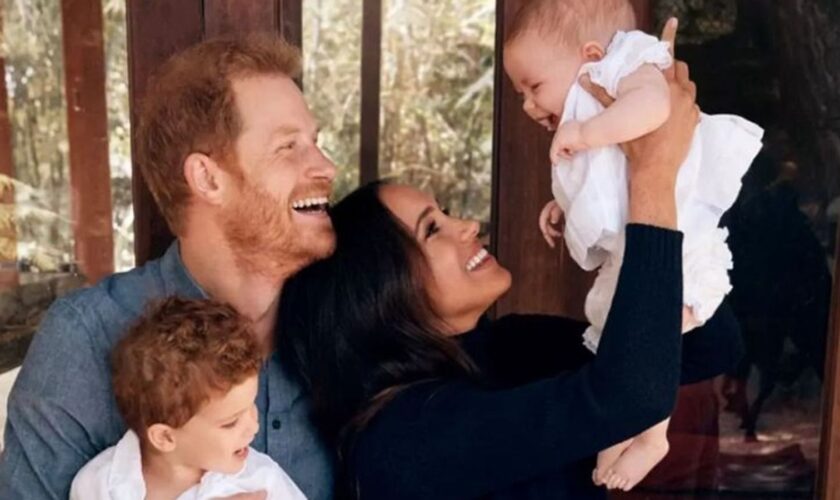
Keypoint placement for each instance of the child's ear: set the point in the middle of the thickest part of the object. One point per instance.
(592, 52)
(162, 437)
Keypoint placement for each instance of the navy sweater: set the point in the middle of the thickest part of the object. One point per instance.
(545, 406)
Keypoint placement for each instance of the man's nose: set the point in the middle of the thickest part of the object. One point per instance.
(322, 168)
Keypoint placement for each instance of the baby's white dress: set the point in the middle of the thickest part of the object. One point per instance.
(591, 188)
(117, 474)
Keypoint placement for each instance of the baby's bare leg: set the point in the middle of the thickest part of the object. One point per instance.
(646, 450)
(606, 459)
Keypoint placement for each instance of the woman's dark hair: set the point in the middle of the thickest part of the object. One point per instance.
(358, 327)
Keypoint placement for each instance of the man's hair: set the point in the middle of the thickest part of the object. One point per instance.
(190, 107)
(572, 22)
(179, 355)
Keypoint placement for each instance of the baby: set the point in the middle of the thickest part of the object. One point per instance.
(550, 44)
(185, 379)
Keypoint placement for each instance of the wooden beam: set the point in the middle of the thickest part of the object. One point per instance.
(87, 128)
(545, 280)
(224, 17)
(8, 227)
(371, 73)
(156, 30)
(290, 21)
(828, 480)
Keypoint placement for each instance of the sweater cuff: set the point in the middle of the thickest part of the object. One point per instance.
(652, 247)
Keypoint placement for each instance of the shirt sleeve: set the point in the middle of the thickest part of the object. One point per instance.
(462, 440)
(627, 52)
(58, 410)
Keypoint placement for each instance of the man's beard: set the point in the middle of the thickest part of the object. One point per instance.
(265, 239)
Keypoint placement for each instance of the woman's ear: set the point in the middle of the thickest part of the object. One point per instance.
(162, 437)
(205, 177)
(592, 52)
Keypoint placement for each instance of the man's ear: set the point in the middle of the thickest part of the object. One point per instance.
(205, 178)
(162, 437)
(592, 52)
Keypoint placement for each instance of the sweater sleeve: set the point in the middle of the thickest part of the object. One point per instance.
(524, 348)
(714, 348)
(457, 439)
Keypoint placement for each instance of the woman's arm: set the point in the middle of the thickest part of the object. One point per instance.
(523, 348)
(460, 440)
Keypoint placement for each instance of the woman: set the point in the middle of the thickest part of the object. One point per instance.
(425, 399)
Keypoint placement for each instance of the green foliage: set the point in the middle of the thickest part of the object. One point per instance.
(436, 94)
(32, 48)
(35, 86)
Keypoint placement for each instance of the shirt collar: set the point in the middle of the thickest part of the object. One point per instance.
(177, 279)
(126, 473)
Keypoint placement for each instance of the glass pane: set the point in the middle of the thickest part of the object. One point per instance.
(36, 260)
(36, 233)
(37, 112)
(755, 433)
(119, 131)
(332, 34)
(437, 99)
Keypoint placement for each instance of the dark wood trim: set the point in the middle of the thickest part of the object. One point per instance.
(156, 30)
(223, 17)
(87, 130)
(371, 74)
(828, 481)
(290, 21)
(8, 262)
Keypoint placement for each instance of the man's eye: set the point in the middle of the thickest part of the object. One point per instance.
(230, 425)
(286, 145)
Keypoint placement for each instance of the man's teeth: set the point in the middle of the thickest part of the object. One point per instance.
(480, 257)
(310, 202)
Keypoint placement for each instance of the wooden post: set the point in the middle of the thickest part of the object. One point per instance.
(156, 30)
(8, 228)
(371, 83)
(87, 127)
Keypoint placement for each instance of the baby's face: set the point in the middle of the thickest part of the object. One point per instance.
(218, 436)
(542, 71)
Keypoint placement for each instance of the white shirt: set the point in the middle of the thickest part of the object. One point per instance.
(591, 188)
(117, 474)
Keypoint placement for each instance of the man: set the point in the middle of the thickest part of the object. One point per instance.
(229, 150)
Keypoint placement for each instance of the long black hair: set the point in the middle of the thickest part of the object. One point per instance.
(357, 327)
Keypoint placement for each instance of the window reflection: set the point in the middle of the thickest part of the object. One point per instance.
(756, 431)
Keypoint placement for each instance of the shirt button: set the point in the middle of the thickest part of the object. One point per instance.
(275, 424)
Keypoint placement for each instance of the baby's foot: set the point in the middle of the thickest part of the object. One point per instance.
(606, 459)
(635, 463)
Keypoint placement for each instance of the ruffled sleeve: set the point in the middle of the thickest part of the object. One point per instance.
(627, 52)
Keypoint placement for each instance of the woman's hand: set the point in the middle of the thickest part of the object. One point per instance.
(654, 159)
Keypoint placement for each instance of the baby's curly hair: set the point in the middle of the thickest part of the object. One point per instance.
(179, 355)
(572, 22)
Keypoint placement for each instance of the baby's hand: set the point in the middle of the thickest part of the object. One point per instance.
(568, 140)
(550, 217)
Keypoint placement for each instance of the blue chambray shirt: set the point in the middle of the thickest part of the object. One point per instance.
(62, 411)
